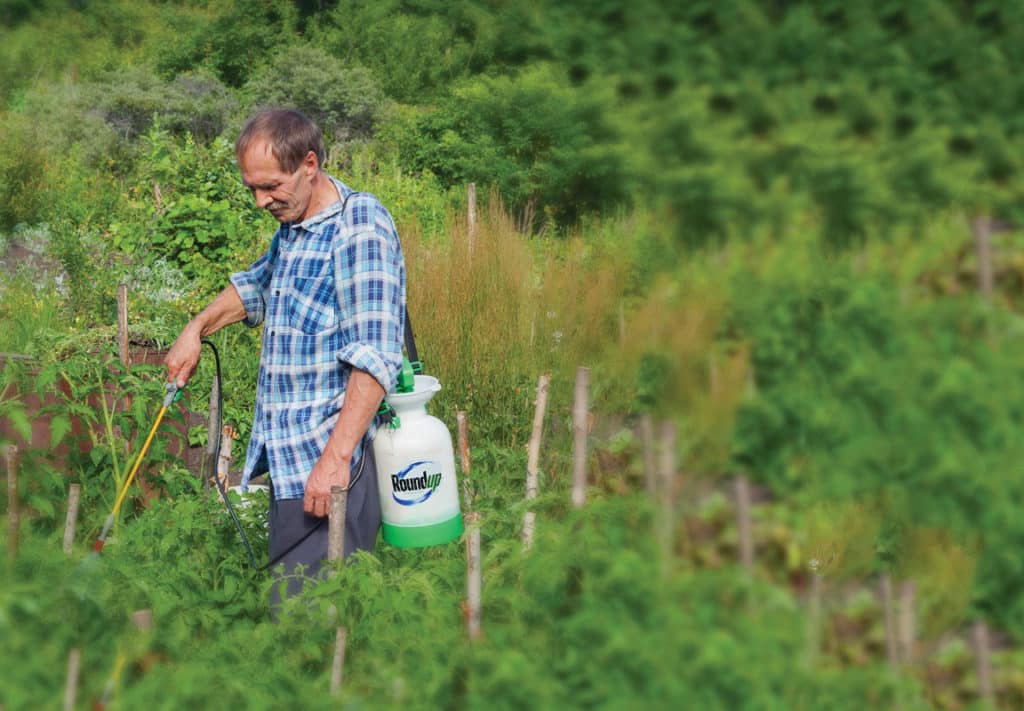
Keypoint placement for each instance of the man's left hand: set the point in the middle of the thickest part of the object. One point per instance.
(326, 473)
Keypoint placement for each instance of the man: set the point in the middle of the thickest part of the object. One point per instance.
(330, 292)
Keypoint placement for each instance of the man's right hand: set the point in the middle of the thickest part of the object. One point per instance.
(182, 359)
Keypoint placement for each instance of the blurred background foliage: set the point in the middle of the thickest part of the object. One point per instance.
(751, 217)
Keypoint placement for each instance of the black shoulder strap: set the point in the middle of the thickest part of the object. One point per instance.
(410, 340)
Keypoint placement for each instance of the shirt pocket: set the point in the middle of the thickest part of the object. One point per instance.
(312, 302)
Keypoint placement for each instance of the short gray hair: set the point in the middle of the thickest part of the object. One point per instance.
(291, 135)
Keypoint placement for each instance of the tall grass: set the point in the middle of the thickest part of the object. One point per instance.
(493, 312)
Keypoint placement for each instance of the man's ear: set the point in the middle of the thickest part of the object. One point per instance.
(311, 163)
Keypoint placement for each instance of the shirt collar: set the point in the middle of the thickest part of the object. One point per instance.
(320, 220)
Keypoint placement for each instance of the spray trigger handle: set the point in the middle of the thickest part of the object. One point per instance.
(388, 417)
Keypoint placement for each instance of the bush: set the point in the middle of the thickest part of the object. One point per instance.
(230, 39)
(346, 102)
(545, 145)
(25, 171)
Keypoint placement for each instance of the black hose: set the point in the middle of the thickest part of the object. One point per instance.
(216, 455)
(220, 484)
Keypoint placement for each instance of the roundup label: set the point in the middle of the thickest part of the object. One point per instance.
(416, 483)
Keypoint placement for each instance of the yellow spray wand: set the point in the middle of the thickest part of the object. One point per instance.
(173, 395)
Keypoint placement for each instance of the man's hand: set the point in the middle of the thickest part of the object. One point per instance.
(327, 472)
(182, 359)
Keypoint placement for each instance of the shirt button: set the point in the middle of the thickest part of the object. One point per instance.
(273, 333)
(277, 292)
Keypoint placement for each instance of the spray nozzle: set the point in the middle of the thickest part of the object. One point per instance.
(174, 393)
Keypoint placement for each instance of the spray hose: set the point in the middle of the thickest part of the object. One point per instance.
(216, 453)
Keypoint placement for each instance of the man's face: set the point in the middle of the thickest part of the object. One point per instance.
(286, 195)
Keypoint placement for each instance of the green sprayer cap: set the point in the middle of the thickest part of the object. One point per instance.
(407, 376)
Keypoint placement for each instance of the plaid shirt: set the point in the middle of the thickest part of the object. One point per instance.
(330, 292)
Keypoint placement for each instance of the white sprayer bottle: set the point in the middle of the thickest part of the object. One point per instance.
(419, 494)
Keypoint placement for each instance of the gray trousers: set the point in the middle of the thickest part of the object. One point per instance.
(289, 523)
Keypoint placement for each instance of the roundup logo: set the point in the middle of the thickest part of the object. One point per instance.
(414, 484)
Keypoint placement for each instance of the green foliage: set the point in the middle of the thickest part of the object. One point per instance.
(546, 145)
(345, 102)
(585, 618)
(865, 395)
(204, 222)
(230, 39)
(25, 167)
(416, 50)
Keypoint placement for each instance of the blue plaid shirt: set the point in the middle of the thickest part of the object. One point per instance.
(330, 292)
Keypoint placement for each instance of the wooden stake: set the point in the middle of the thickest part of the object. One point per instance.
(814, 628)
(979, 637)
(647, 437)
(622, 323)
(713, 376)
(336, 551)
(892, 650)
(462, 423)
(143, 620)
(982, 229)
(668, 491)
(13, 523)
(122, 324)
(74, 497)
(340, 638)
(212, 435)
(336, 523)
(906, 623)
(471, 214)
(473, 584)
(227, 441)
(744, 523)
(71, 685)
(580, 422)
(533, 456)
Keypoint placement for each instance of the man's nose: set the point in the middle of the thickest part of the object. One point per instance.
(263, 198)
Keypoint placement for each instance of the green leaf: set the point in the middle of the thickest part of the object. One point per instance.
(41, 504)
(60, 425)
(19, 420)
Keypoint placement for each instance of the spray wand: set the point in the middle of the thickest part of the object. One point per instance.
(173, 395)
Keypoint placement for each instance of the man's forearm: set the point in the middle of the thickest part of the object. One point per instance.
(183, 357)
(224, 310)
(362, 400)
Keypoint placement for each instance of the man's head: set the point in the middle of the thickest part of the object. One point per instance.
(279, 154)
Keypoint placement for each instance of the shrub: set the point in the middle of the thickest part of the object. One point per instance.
(544, 144)
(346, 102)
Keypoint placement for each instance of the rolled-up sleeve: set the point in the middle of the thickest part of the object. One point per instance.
(253, 284)
(370, 283)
